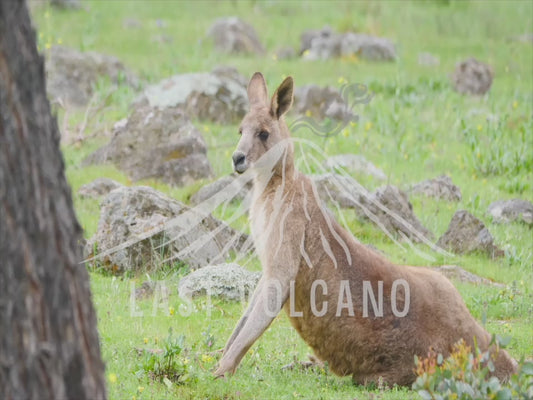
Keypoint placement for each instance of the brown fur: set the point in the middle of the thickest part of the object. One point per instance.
(298, 240)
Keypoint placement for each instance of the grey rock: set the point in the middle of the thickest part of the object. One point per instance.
(72, 75)
(397, 202)
(441, 187)
(472, 77)
(141, 229)
(219, 96)
(97, 188)
(428, 60)
(321, 102)
(524, 38)
(458, 273)
(354, 163)
(339, 189)
(467, 234)
(157, 143)
(227, 281)
(208, 191)
(504, 211)
(67, 4)
(285, 53)
(325, 44)
(233, 35)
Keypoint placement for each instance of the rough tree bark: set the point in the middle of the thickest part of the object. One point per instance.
(49, 346)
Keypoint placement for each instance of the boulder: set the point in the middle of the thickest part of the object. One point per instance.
(72, 75)
(141, 229)
(428, 60)
(285, 53)
(441, 187)
(354, 163)
(233, 35)
(325, 44)
(339, 189)
(400, 219)
(472, 77)
(460, 274)
(208, 191)
(66, 4)
(226, 281)
(157, 143)
(504, 211)
(321, 102)
(98, 188)
(218, 96)
(467, 234)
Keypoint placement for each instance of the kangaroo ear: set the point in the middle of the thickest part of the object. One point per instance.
(282, 99)
(257, 90)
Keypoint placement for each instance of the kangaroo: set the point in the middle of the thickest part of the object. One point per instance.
(326, 280)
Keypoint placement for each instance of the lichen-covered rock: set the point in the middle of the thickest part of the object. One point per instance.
(467, 234)
(98, 188)
(208, 191)
(141, 229)
(233, 35)
(321, 102)
(441, 187)
(72, 75)
(398, 217)
(325, 44)
(217, 96)
(341, 190)
(504, 211)
(354, 163)
(157, 143)
(472, 77)
(226, 281)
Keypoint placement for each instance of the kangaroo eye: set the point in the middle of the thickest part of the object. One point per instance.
(263, 135)
(240, 131)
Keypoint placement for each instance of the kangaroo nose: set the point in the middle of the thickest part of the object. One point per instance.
(239, 161)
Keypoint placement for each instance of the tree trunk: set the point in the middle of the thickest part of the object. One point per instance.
(49, 346)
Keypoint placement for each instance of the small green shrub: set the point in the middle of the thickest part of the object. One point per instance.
(167, 365)
(465, 375)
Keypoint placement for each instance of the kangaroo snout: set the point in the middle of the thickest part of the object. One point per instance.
(239, 162)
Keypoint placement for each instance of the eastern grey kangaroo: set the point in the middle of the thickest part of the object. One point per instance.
(359, 312)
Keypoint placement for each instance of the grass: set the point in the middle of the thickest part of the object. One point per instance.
(416, 127)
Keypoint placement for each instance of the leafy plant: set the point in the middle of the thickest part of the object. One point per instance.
(168, 364)
(465, 375)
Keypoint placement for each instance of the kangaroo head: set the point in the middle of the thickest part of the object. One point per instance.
(264, 127)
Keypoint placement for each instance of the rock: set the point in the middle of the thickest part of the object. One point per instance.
(397, 202)
(368, 47)
(219, 96)
(227, 281)
(321, 102)
(285, 53)
(217, 186)
(342, 190)
(472, 77)
(524, 38)
(441, 187)
(157, 143)
(72, 75)
(428, 60)
(325, 44)
(354, 163)
(145, 290)
(98, 188)
(504, 211)
(72, 4)
(458, 273)
(141, 229)
(131, 23)
(467, 234)
(233, 35)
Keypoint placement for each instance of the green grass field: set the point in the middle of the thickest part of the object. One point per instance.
(416, 127)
